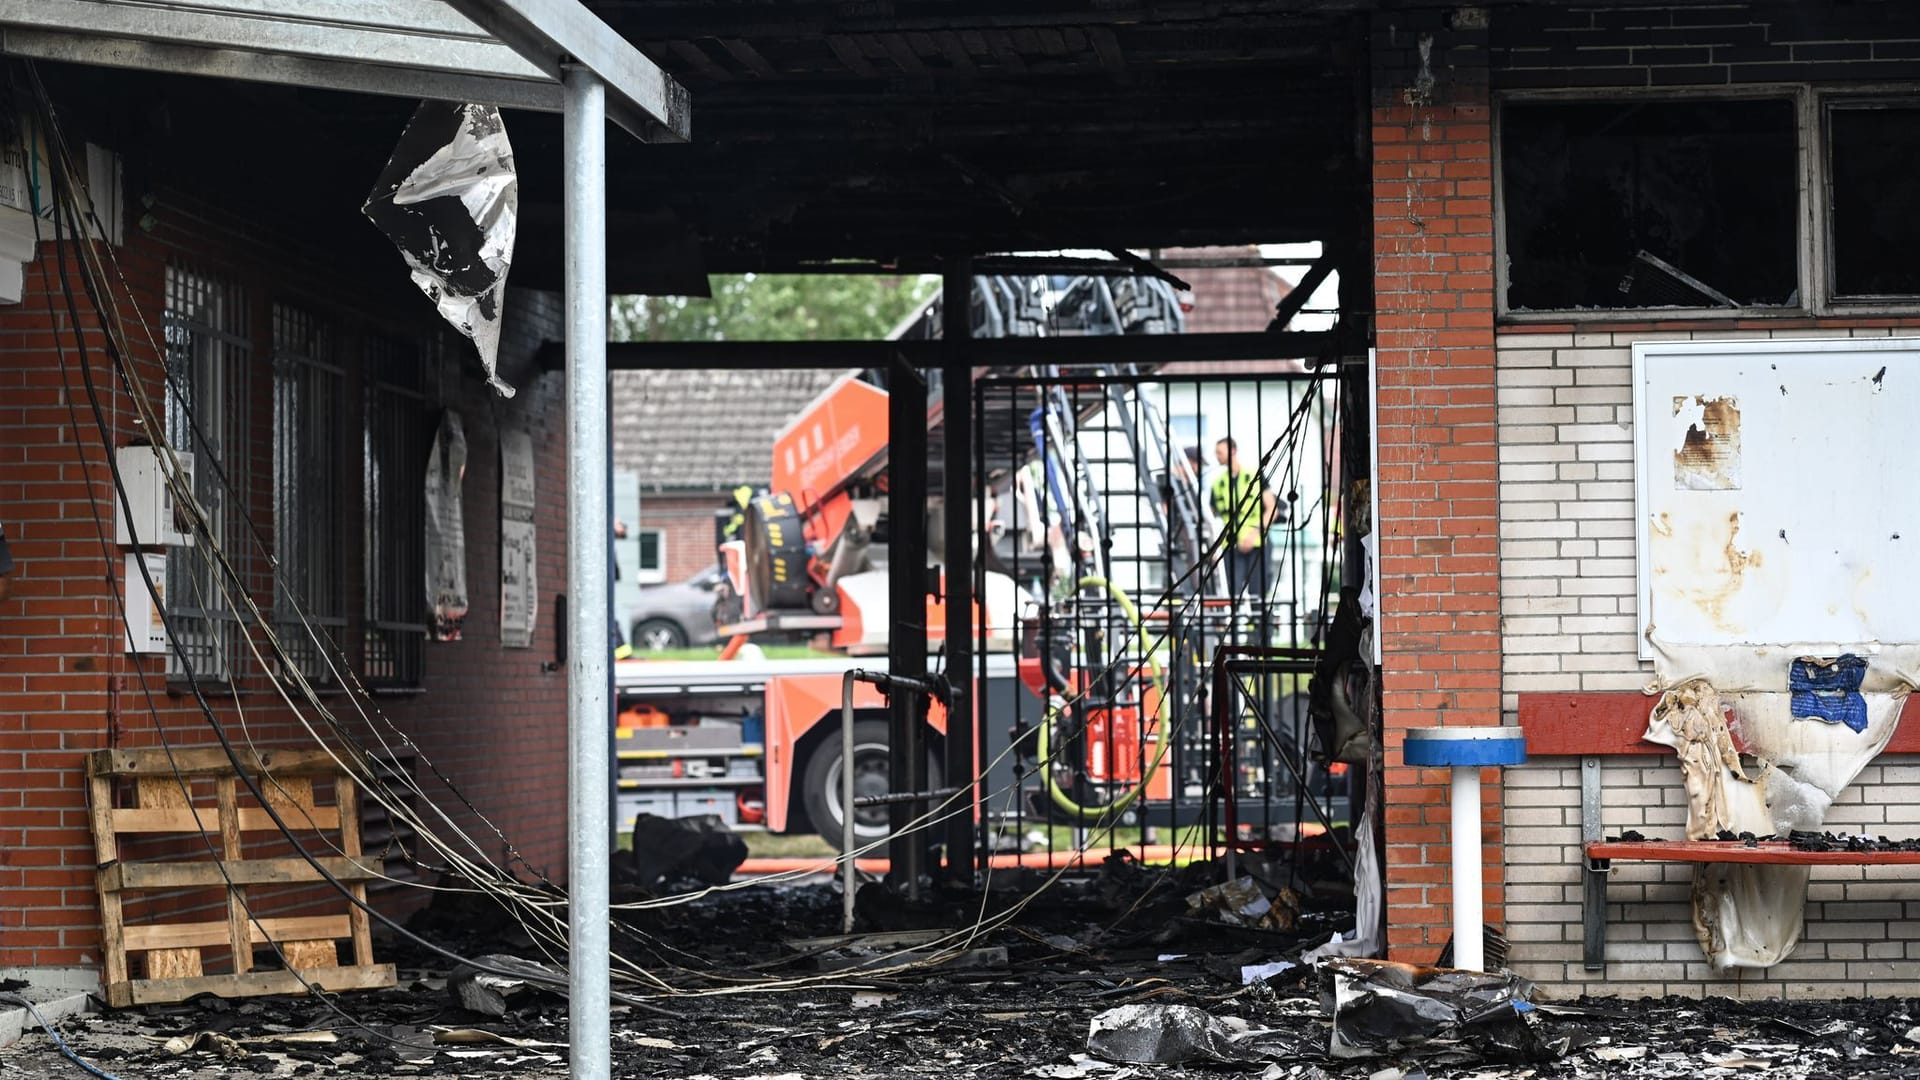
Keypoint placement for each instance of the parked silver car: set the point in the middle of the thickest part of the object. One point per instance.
(674, 615)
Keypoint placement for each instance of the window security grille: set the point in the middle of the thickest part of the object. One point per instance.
(397, 437)
(208, 356)
(307, 384)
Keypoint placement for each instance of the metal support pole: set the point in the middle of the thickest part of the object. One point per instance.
(848, 844)
(1465, 750)
(907, 599)
(956, 387)
(1469, 940)
(588, 702)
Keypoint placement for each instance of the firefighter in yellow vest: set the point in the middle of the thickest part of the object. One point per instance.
(741, 496)
(1245, 507)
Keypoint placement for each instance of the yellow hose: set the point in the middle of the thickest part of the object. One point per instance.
(1055, 792)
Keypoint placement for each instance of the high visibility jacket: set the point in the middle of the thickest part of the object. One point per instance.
(1237, 503)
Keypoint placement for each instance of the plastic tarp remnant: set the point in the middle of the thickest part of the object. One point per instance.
(449, 199)
(1721, 797)
(1793, 768)
(1381, 1008)
(1149, 1034)
(1243, 903)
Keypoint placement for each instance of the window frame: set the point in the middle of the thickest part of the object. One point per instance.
(1809, 280)
(642, 575)
(1826, 100)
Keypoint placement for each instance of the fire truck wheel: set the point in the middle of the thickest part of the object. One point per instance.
(870, 777)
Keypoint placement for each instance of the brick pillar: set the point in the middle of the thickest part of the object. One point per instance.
(1439, 572)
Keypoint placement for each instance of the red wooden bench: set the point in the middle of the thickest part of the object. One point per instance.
(1592, 726)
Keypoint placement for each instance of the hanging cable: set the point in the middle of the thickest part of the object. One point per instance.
(52, 1033)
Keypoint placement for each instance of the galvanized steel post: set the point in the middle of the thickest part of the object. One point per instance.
(588, 986)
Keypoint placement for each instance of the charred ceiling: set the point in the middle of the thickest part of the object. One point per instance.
(896, 133)
(906, 131)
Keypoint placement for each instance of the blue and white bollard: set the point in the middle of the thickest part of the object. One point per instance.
(1466, 750)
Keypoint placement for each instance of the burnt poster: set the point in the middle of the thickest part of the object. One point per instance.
(519, 600)
(446, 530)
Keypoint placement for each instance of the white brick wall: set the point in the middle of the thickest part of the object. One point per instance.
(1568, 624)
(1862, 931)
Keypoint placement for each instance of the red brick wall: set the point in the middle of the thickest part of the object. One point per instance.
(1439, 590)
(687, 520)
(490, 718)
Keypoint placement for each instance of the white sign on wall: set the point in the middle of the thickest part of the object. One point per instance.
(1772, 492)
(519, 600)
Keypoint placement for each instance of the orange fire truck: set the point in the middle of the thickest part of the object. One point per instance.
(755, 741)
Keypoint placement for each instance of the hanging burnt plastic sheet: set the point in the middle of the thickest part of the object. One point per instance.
(449, 200)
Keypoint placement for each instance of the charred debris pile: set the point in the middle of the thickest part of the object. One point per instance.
(1115, 971)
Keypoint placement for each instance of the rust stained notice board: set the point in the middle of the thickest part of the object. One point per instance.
(1771, 497)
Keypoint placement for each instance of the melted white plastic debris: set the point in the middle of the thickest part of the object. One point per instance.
(1750, 916)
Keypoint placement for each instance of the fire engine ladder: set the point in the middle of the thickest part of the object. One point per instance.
(1070, 479)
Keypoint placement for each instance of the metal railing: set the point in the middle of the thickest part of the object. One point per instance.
(1120, 553)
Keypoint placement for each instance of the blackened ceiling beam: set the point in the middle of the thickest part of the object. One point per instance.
(789, 18)
(984, 352)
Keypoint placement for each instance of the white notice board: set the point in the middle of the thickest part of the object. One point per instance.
(1778, 492)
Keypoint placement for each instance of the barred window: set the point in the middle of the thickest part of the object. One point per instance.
(309, 602)
(208, 356)
(397, 438)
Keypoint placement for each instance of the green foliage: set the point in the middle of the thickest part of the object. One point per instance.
(775, 307)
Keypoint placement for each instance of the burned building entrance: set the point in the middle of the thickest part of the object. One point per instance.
(1155, 524)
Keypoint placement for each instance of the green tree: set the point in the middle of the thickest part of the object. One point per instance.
(776, 307)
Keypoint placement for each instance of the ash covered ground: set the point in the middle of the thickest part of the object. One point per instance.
(1018, 1004)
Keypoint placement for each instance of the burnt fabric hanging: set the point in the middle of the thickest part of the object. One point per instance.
(449, 200)
(446, 541)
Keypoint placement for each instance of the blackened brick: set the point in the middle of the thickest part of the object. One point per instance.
(1713, 16)
(1703, 75)
(1606, 77)
(1747, 34)
(1632, 18)
(1672, 56)
(1834, 50)
(1753, 54)
(1828, 71)
(1596, 57)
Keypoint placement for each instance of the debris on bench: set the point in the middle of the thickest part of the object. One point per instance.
(1826, 841)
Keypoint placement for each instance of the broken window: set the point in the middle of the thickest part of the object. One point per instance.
(1875, 200)
(1643, 204)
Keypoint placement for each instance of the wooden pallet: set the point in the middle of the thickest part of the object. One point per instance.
(171, 951)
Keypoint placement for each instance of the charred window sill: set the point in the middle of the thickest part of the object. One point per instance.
(1657, 314)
